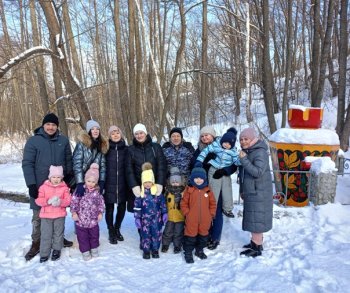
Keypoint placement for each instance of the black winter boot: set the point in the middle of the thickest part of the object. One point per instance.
(200, 254)
(165, 248)
(189, 257)
(249, 245)
(112, 237)
(254, 251)
(155, 254)
(56, 254)
(33, 251)
(146, 255)
(67, 243)
(118, 235)
(213, 245)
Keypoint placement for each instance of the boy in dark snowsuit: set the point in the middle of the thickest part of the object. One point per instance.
(150, 214)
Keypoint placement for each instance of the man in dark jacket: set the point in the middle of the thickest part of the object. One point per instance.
(47, 147)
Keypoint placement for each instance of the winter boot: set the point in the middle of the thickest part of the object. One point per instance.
(44, 259)
(33, 251)
(86, 255)
(254, 251)
(56, 254)
(249, 245)
(67, 243)
(119, 236)
(112, 237)
(94, 252)
(177, 250)
(228, 214)
(165, 248)
(189, 258)
(213, 245)
(146, 255)
(200, 254)
(155, 254)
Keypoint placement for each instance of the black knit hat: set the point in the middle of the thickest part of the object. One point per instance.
(230, 137)
(50, 118)
(177, 130)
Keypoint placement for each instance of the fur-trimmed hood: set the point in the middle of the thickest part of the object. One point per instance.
(86, 139)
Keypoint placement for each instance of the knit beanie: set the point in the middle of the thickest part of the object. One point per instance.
(50, 118)
(230, 137)
(176, 130)
(56, 171)
(208, 130)
(175, 175)
(114, 128)
(139, 127)
(90, 124)
(198, 173)
(249, 133)
(147, 175)
(93, 172)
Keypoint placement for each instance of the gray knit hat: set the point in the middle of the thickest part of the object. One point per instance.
(90, 124)
(208, 130)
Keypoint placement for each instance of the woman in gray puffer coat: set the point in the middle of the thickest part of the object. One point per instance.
(91, 148)
(255, 189)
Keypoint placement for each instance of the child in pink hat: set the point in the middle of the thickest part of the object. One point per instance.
(53, 199)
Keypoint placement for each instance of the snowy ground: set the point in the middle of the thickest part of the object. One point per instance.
(308, 250)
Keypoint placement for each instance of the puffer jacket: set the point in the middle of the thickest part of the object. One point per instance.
(173, 207)
(116, 186)
(179, 156)
(88, 207)
(40, 152)
(256, 188)
(48, 190)
(84, 156)
(199, 208)
(139, 153)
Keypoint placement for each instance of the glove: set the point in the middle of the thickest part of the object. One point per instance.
(219, 173)
(165, 218)
(159, 189)
(136, 191)
(79, 191)
(198, 164)
(75, 217)
(138, 223)
(55, 201)
(33, 191)
(101, 184)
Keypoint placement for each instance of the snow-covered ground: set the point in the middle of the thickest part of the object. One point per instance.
(308, 250)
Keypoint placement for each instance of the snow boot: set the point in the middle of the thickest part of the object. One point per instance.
(94, 252)
(228, 214)
(189, 258)
(200, 254)
(44, 259)
(165, 248)
(249, 245)
(177, 250)
(33, 251)
(155, 254)
(67, 243)
(86, 255)
(213, 245)
(56, 254)
(146, 255)
(119, 236)
(112, 237)
(254, 251)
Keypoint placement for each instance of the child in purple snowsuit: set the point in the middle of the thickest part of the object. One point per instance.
(150, 214)
(87, 212)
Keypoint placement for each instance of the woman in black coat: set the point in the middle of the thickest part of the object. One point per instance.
(116, 187)
(144, 150)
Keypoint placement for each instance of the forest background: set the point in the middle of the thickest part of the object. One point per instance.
(167, 63)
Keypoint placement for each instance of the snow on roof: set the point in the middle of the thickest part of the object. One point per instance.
(305, 136)
(302, 108)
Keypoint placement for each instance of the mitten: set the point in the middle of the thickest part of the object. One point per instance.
(159, 189)
(56, 201)
(136, 191)
(138, 223)
(33, 191)
(219, 173)
(79, 191)
(198, 164)
(165, 218)
(101, 184)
